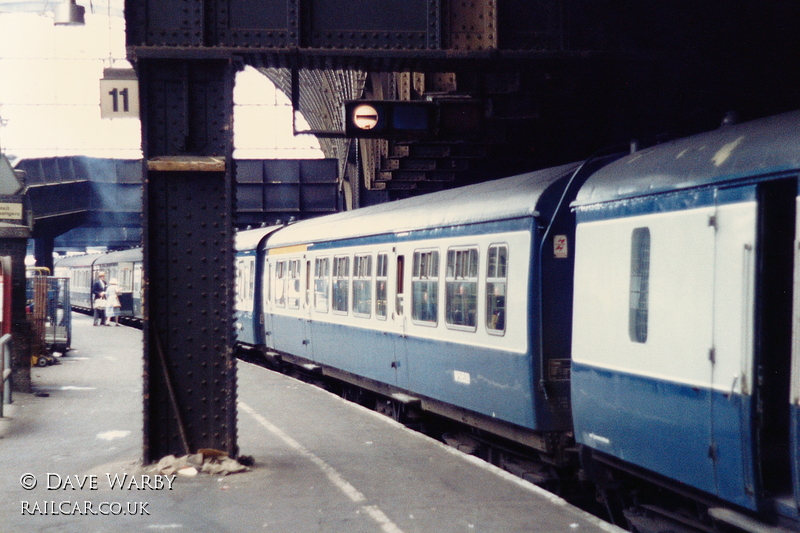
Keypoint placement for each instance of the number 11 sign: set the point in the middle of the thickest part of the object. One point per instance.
(119, 94)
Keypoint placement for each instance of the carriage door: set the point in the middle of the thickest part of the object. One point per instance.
(735, 223)
(752, 306)
(774, 300)
(266, 303)
(794, 398)
(397, 315)
(306, 305)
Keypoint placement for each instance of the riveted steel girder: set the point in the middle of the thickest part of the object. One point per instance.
(281, 24)
(190, 369)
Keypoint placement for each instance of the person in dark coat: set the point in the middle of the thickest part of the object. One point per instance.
(99, 291)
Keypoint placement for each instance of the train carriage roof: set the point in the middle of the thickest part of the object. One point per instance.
(122, 256)
(760, 147)
(73, 261)
(502, 199)
(250, 239)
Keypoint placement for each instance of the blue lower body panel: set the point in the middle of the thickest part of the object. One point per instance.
(690, 434)
(500, 383)
(491, 382)
(247, 331)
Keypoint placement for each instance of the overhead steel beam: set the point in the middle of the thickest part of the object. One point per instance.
(372, 35)
(408, 24)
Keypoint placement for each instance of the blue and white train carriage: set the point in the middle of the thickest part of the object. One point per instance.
(124, 265)
(441, 297)
(656, 318)
(683, 340)
(249, 282)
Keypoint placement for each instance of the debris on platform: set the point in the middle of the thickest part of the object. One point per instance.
(207, 461)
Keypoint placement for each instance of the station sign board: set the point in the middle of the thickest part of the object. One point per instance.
(11, 210)
(388, 118)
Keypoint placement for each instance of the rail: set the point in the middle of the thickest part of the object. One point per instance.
(5, 367)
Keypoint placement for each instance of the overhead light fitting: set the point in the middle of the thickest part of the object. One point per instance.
(69, 14)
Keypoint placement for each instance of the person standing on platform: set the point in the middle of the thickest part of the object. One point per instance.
(99, 293)
(112, 302)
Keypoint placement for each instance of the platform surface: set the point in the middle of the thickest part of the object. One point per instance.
(321, 464)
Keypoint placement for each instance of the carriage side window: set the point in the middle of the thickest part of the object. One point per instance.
(461, 288)
(293, 291)
(322, 270)
(137, 278)
(308, 284)
(239, 284)
(496, 288)
(243, 286)
(400, 288)
(381, 281)
(248, 281)
(125, 279)
(362, 285)
(268, 289)
(251, 290)
(280, 283)
(341, 283)
(425, 286)
(640, 284)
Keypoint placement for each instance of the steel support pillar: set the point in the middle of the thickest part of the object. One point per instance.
(13, 247)
(43, 251)
(190, 368)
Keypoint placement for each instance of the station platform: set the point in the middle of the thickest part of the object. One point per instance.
(321, 464)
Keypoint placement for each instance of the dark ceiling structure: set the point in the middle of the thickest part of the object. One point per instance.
(554, 80)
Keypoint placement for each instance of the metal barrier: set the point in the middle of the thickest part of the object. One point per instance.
(49, 312)
(5, 366)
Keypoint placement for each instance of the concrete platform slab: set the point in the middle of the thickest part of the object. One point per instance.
(322, 464)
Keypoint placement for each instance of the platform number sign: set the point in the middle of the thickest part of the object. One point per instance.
(119, 98)
(560, 249)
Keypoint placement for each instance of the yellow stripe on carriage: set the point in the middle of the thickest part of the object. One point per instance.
(288, 249)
